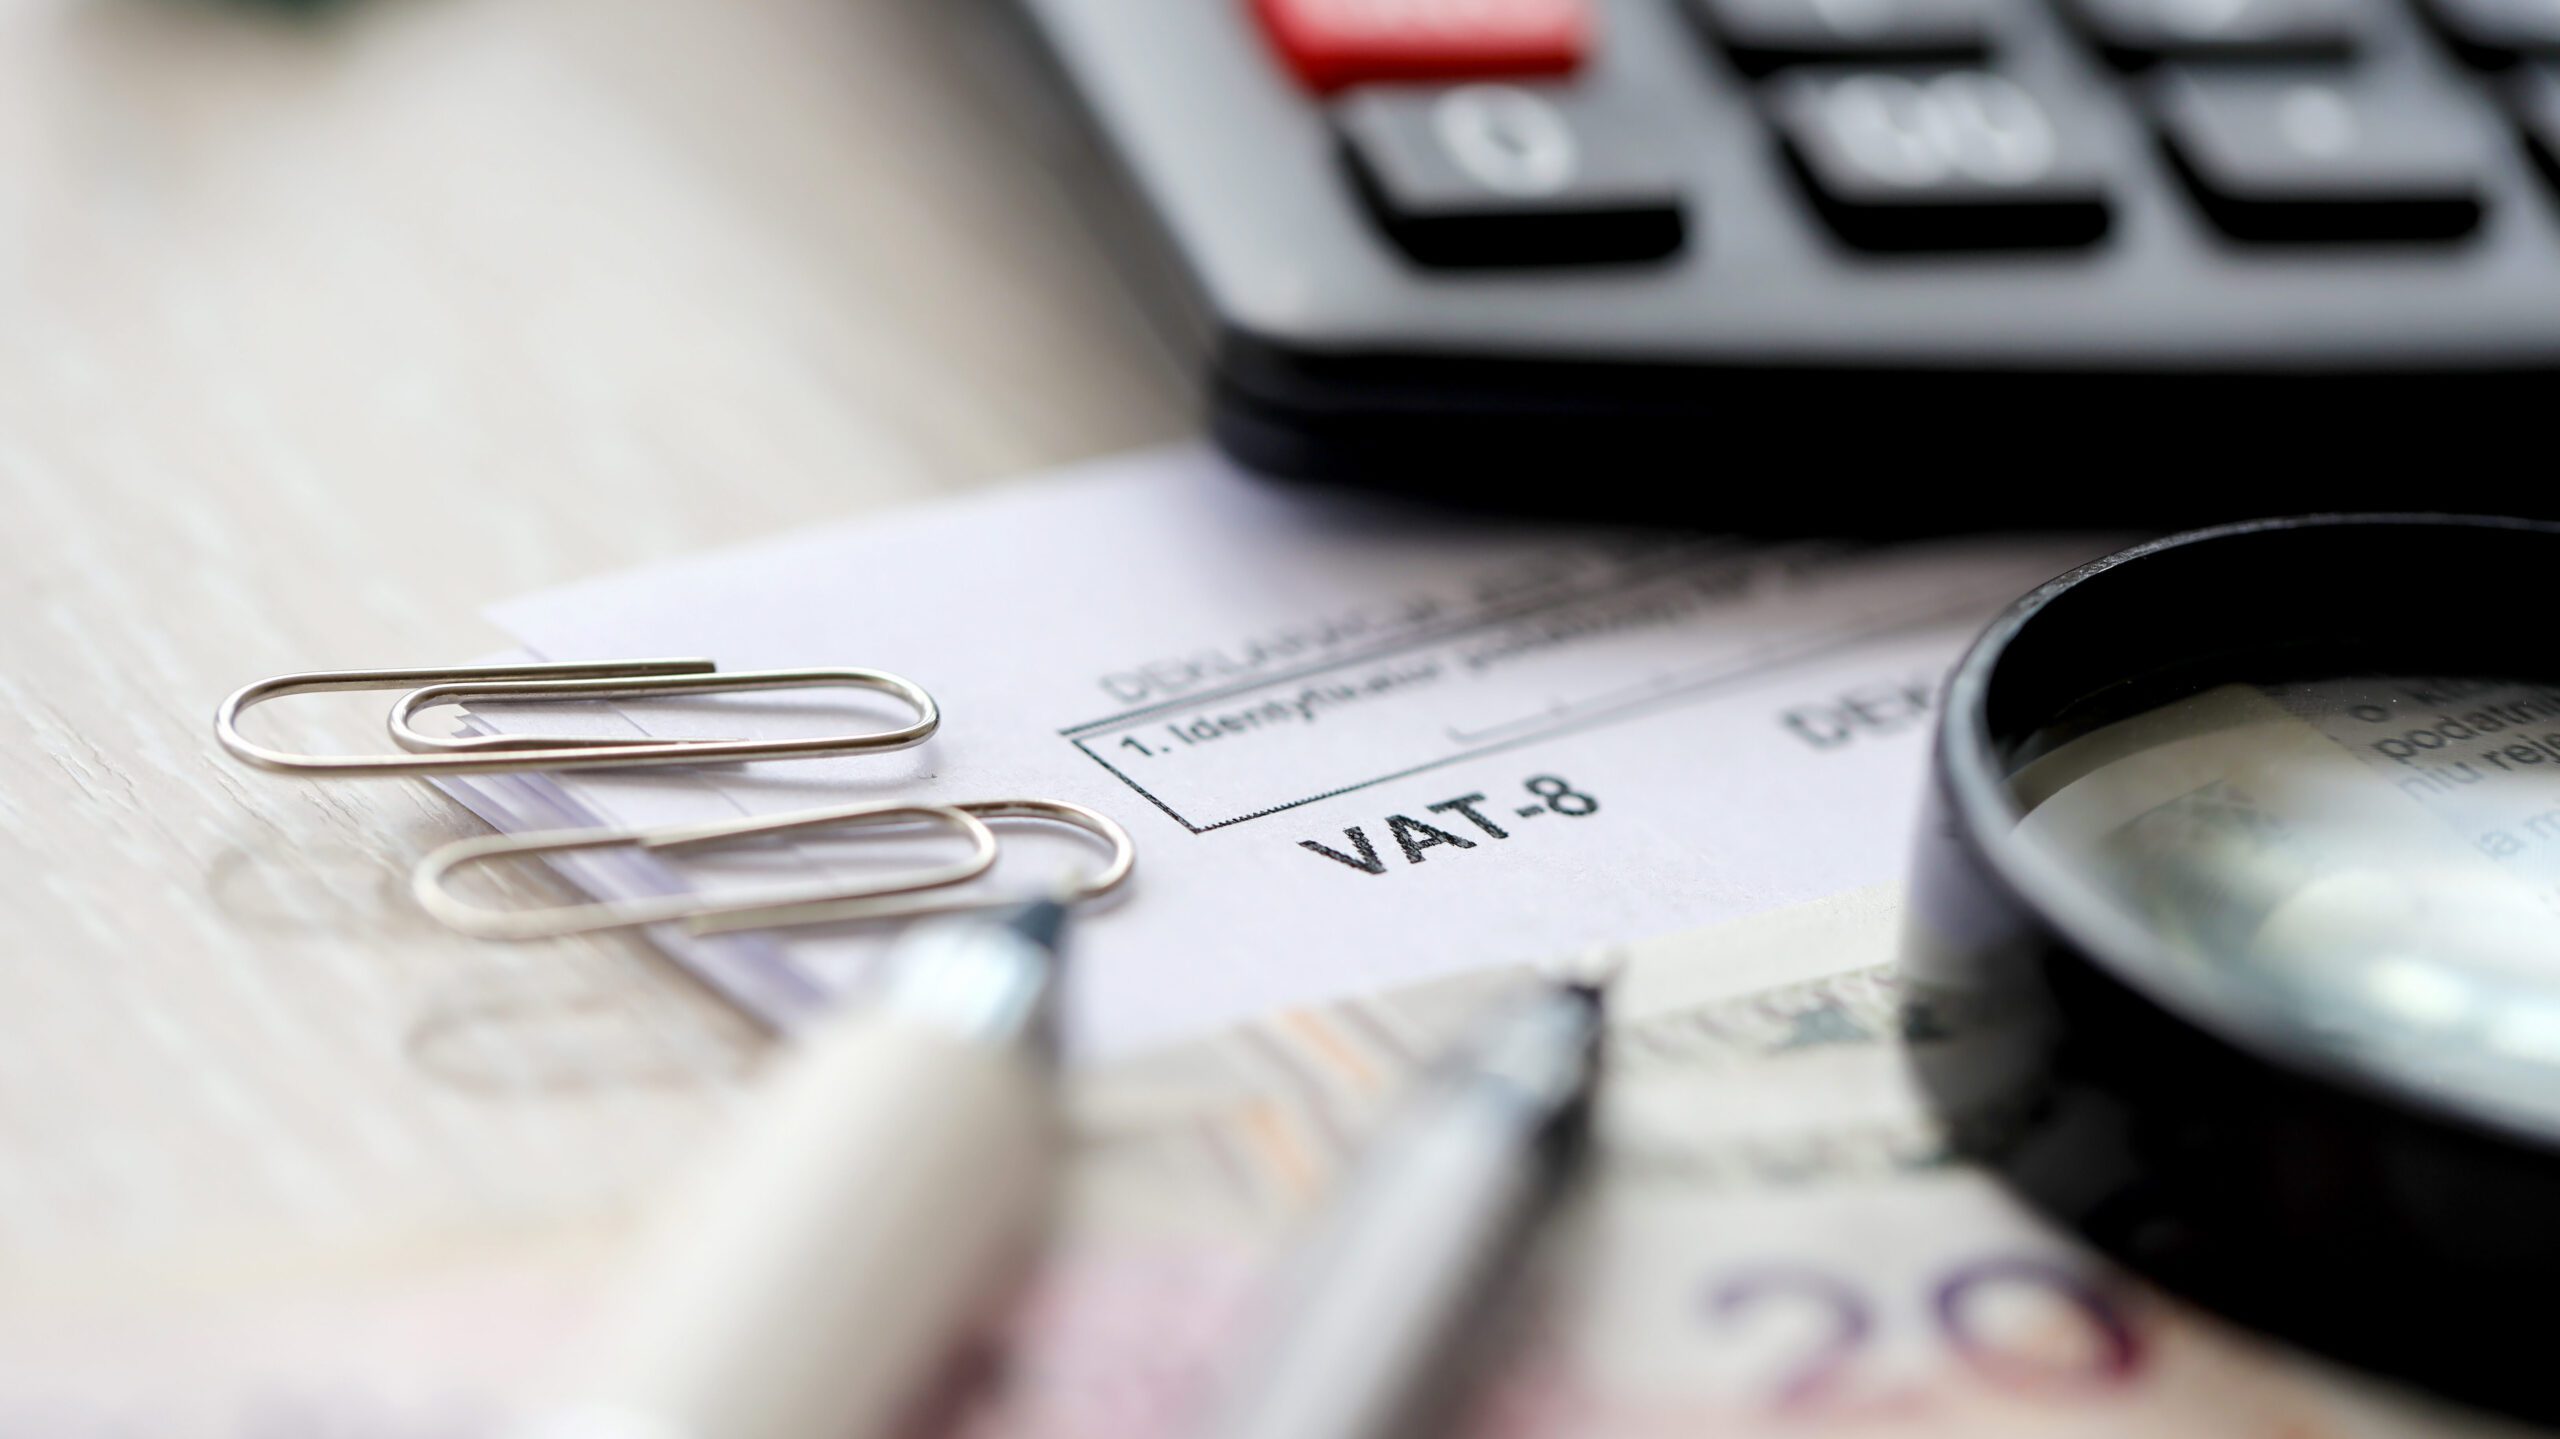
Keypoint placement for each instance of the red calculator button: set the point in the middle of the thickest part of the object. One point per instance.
(1333, 43)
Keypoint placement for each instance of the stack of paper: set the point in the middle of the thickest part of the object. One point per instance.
(1357, 745)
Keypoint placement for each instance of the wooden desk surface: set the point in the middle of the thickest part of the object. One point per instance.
(315, 337)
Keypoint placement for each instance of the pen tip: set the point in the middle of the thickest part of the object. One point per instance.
(1042, 921)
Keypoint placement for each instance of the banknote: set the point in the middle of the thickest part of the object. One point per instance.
(1773, 1238)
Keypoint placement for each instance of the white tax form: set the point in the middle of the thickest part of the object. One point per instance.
(1357, 744)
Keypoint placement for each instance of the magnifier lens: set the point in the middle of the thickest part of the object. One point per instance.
(2377, 859)
(2234, 930)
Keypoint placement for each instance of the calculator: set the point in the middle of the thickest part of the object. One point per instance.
(1889, 261)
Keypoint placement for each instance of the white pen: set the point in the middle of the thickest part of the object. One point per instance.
(889, 1178)
(1388, 1292)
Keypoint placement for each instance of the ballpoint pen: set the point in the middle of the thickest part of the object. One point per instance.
(1382, 1301)
(885, 1184)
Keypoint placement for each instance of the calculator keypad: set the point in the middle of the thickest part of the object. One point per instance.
(1501, 174)
(1766, 35)
(1907, 129)
(2323, 157)
(1953, 159)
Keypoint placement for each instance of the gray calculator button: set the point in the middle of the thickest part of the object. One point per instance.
(2138, 32)
(2323, 156)
(1954, 160)
(1503, 174)
(1767, 35)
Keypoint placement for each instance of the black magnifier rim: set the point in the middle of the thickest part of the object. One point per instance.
(2188, 1129)
(1977, 779)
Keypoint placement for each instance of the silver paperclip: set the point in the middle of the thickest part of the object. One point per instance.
(771, 908)
(914, 901)
(611, 679)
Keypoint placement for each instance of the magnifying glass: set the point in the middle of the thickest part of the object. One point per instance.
(2235, 930)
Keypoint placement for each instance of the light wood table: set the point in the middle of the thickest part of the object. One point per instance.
(314, 338)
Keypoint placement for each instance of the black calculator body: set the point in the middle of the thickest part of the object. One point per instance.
(1888, 262)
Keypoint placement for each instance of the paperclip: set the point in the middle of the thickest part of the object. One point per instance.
(611, 679)
(911, 903)
(759, 911)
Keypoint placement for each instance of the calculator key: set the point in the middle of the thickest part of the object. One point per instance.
(2536, 96)
(1331, 44)
(2286, 157)
(1765, 35)
(1495, 174)
(1962, 159)
(2497, 32)
(2138, 32)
